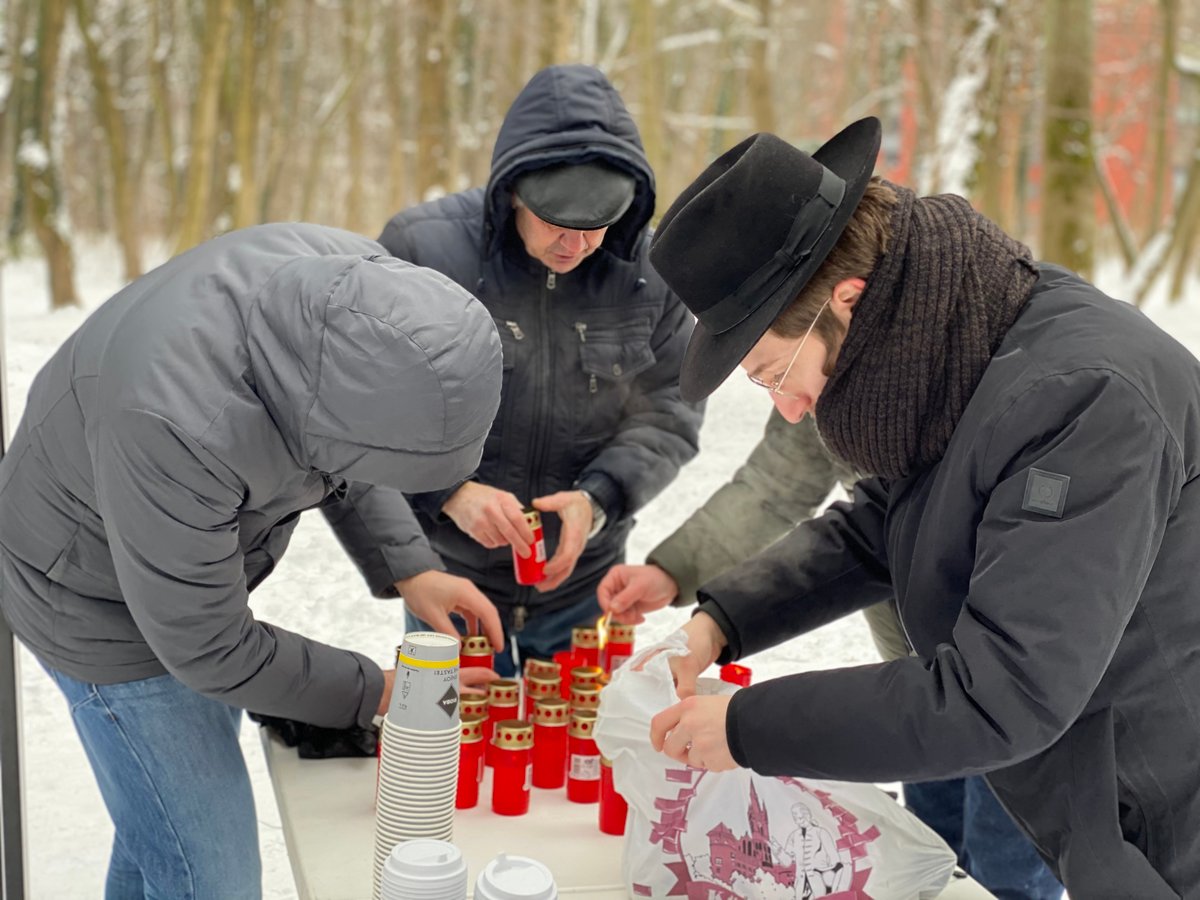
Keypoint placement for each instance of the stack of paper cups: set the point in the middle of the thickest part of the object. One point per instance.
(418, 768)
(424, 870)
(510, 877)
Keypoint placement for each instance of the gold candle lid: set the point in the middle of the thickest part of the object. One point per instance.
(585, 696)
(533, 518)
(585, 636)
(502, 692)
(472, 728)
(551, 711)
(471, 705)
(620, 634)
(542, 687)
(477, 645)
(583, 722)
(586, 674)
(513, 734)
(541, 668)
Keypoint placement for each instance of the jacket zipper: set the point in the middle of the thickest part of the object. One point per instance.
(515, 328)
(581, 329)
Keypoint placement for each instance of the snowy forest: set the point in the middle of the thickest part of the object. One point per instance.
(1073, 123)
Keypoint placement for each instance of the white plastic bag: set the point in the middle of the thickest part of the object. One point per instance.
(741, 836)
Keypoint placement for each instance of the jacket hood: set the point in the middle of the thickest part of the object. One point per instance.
(569, 114)
(375, 370)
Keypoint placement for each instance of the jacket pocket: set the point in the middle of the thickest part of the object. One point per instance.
(610, 362)
(512, 346)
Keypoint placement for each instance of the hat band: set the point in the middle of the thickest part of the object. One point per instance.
(810, 226)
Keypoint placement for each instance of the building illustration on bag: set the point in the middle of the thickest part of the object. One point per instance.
(820, 853)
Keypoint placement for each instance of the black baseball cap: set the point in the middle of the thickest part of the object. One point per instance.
(583, 196)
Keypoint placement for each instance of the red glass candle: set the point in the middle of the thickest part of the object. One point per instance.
(510, 778)
(566, 660)
(539, 689)
(532, 568)
(583, 766)
(613, 807)
(585, 696)
(550, 719)
(476, 651)
(585, 644)
(470, 762)
(541, 668)
(735, 674)
(502, 704)
(619, 647)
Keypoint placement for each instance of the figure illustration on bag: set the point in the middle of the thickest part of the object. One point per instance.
(812, 848)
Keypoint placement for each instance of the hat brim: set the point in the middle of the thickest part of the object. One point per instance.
(710, 357)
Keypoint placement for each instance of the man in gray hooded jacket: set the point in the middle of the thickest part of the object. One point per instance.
(165, 453)
(591, 425)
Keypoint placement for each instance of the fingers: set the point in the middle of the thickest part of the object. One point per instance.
(472, 678)
(474, 606)
(610, 584)
(507, 519)
(663, 724)
(562, 564)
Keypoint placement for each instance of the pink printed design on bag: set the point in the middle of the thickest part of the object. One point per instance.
(810, 862)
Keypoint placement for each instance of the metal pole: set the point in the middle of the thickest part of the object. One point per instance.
(12, 789)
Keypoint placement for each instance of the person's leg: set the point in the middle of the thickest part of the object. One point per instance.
(545, 634)
(939, 804)
(171, 773)
(998, 854)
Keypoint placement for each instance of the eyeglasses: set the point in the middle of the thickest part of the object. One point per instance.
(777, 386)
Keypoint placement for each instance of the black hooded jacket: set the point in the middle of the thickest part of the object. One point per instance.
(591, 358)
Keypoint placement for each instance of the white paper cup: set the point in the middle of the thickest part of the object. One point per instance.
(425, 693)
(515, 878)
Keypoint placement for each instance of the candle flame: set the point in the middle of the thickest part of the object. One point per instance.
(602, 628)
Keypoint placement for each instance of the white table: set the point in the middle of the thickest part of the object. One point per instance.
(327, 807)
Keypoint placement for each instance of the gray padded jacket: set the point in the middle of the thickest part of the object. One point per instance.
(169, 445)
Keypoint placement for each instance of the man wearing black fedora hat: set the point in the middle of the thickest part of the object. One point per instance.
(1032, 511)
(591, 423)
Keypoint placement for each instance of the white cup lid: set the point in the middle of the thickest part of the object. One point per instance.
(515, 878)
(425, 858)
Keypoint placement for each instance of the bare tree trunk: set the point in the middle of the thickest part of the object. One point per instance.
(112, 123)
(37, 155)
(245, 136)
(163, 37)
(1068, 212)
(205, 121)
(555, 44)
(282, 136)
(395, 84)
(432, 102)
(1159, 168)
(354, 47)
(762, 106)
(650, 85)
(270, 118)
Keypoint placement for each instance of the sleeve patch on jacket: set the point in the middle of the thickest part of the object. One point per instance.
(1046, 493)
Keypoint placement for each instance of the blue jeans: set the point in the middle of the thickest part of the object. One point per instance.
(171, 772)
(542, 636)
(990, 847)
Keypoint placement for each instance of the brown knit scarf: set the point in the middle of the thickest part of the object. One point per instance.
(934, 311)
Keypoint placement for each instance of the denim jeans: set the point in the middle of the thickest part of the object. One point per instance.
(990, 847)
(172, 775)
(542, 636)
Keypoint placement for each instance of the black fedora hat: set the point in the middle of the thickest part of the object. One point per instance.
(739, 244)
(583, 196)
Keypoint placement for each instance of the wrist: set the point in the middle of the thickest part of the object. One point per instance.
(599, 517)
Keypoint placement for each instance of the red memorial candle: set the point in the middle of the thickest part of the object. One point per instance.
(502, 704)
(585, 644)
(476, 651)
(583, 767)
(470, 762)
(619, 647)
(613, 807)
(550, 719)
(512, 746)
(532, 568)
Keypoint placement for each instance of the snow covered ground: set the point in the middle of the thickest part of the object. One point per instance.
(317, 592)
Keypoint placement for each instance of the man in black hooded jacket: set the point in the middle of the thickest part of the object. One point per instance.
(591, 424)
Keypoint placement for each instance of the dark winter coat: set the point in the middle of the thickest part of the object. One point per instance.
(168, 447)
(1045, 573)
(591, 358)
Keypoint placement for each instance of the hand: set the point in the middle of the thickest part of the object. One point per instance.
(431, 596)
(692, 732)
(494, 518)
(705, 643)
(469, 680)
(629, 592)
(472, 678)
(576, 514)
